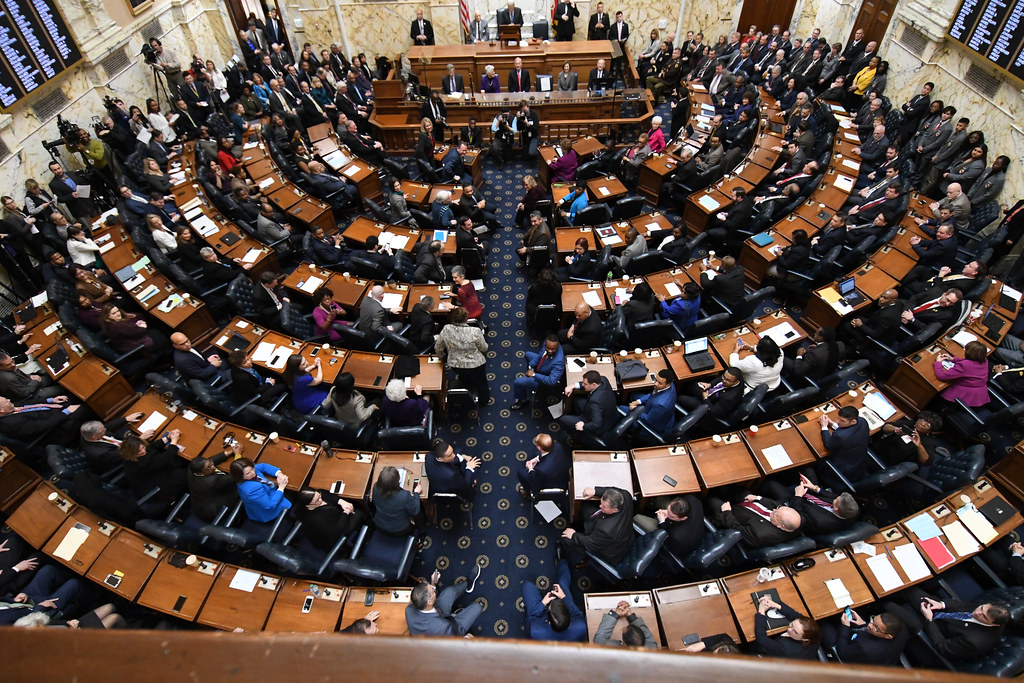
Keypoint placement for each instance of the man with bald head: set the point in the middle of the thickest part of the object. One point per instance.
(880, 324)
(762, 521)
(191, 364)
(958, 204)
(585, 332)
(548, 469)
(373, 317)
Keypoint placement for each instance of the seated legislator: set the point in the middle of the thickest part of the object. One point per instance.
(967, 377)
(154, 464)
(801, 639)
(607, 531)
(596, 412)
(563, 169)
(762, 521)
(401, 410)
(683, 519)
(99, 447)
(723, 395)
(210, 489)
(585, 333)
(191, 364)
(430, 613)
(944, 310)
(963, 631)
(326, 518)
(553, 615)
(395, 510)
(880, 640)
(451, 473)
(636, 633)
(246, 382)
(29, 422)
(261, 488)
(544, 369)
(727, 282)
(763, 366)
(549, 469)
(821, 509)
(659, 405)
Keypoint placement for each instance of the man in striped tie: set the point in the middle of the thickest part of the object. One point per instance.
(960, 630)
(762, 521)
(821, 509)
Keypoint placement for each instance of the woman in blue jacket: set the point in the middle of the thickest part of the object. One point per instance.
(261, 488)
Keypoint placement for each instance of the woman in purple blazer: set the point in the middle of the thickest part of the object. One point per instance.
(968, 376)
(489, 81)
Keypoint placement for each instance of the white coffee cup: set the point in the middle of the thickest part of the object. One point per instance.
(274, 436)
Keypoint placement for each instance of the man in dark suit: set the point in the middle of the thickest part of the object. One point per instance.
(211, 489)
(430, 613)
(596, 412)
(597, 27)
(453, 167)
(608, 531)
(727, 282)
(477, 208)
(683, 519)
(960, 630)
(510, 15)
(846, 441)
(216, 272)
(914, 111)
(565, 20)
(800, 179)
(886, 205)
(722, 395)
(187, 125)
(284, 103)
(549, 469)
(333, 186)
(543, 369)
(879, 641)
(465, 239)
(98, 445)
(373, 316)
(64, 187)
(585, 332)
(312, 112)
(421, 31)
(852, 52)
(880, 324)
(619, 32)
(31, 421)
(822, 510)
(723, 229)
(451, 473)
(518, 77)
(192, 365)
(597, 79)
(274, 29)
(196, 96)
(659, 405)
(325, 250)
(943, 310)
(933, 254)
(452, 82)
(762, 521)
(472, 134)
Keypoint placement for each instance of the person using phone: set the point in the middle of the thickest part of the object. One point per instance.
(636, 634)
(553, 615)
(396, 510)
(879, 640)
(801, 639)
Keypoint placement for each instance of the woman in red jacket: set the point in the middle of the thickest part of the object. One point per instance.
(465, 293)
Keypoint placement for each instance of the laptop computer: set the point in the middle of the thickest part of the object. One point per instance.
(997, 511)
(848, 290)
(695, 353)
(236, 342)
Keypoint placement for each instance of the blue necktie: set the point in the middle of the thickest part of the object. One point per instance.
(958, 616)
(70, 183)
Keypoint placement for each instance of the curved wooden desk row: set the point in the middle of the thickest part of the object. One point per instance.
(894, 559)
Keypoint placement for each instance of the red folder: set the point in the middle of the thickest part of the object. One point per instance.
(937, 552)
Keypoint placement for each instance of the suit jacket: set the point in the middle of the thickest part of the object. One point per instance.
(592, 83)
(552, 472)
(29, 425)
(484, 31)
(281, 102)
(436, 623)
(608, 536)
(685, 536)
(725, 400)
(600, 413)
(594, 33)
(427, 31)
(450, 477)
(756, 530)
(514, 83)
(452, 165)
(881, 323)
(273, 29)
(161, 466)
(869, 649)
(947, 152)
(212, 492)
(617, 34)
(936, 253)
(372, 317)
(474, 138)
(516, 18)
(848, 448)
(729, 287)
(588, 334)
(192, 366)
(780, 646)
(934, 138)
(446, 84)
(962, 639)
(817, 520)
(659, 409)
(565, 29)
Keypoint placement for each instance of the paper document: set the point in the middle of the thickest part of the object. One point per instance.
(84, 191)
(651, 227)
(245, 580)
(548, 510)
(963, 338)
(280, 357)
(263, 352)
(923, 526)
(266, 182)
(154, 421)
(672, 289)
(708, 202)
(977, 524)
(777, 456)
(883, 570)
(611, 239)
(911, 562)
(398, 242)
(609, 473)
(391, 300)
(107, 247)
(39, 299)
(556, 410)
(851, 164)
(189, 215)
(880, 404)
(352, 170)
(871, 417)
(961, 540)
(591, 298)
(76, 536)
(190, 204)
(843, 182)
(252, 255)
(862, 548)
(781, 334)
(840, 595)
(311, 284)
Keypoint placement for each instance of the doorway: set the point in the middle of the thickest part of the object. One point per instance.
(764, 15)
(874, 17)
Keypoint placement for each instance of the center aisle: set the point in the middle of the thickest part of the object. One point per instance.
(501, 539)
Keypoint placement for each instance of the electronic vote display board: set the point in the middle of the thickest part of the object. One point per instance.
(35, 47)
(994, 30)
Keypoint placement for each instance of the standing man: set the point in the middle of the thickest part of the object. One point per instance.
(167, 63)
(510, 15)
(597, 29)
(518, 77)
(846, 441)
(620, 34)
(527, 124)
(565, 20)
(549, 469)
(478, 30)
(421, 32)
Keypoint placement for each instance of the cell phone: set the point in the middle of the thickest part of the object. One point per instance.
(415, 483)
(112, 580)
(307, 604)
(691, 639)
(369, 598)
(314, 352)
(337, 487)
(669, 480)
(847, 613)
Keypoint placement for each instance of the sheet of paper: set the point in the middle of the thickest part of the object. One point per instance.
(398, 242)
(144, 136)
(608, 473)
(871, 417)
(391, 300)
(76, 536)
(352, 170)
(252, 256)
(923, 526)
(1011, 292)
(266, 182)
(651, 227)
(556, 410)
(548, 510)
(263, 352)
(777, 456)
(963, 338)
(911, 562)
(862, 548)
(311, 284)
(385, 237)
(880, 404)
(840, 595)
(851, 164)
(672, 289)
(189, 215)
(153, 422)
(611, 239)
(708, 202)
(592, 298)
(886, 574)
(843, 182)
(40, 299)
(245, 580)
(781, 334)
(190, 204)
(961, 540)
(280, 357)
(977, 524)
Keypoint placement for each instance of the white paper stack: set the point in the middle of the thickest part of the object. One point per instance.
(777, 456)
(961, 540)
(76, 536)
(672, 289)
(844, 182)
(911, 562)
(153, 422)
(880, 404)
(391, 300)
(708, 202)
(977, 524)
(245, 580)
(883, 570)
(263, 352)
(311, 284)
(398, 242)
(840, 595)
(591, 298)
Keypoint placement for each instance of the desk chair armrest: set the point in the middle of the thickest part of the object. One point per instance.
(241, 407)
(983, 566)
(970, 413)
(999, 397)
(839, 475)
(277, 403)
(292, 534)
(134, 351)
(113, 475)
(155, 490)
(648, 432)
(875, 459)
(639, 530)
(931, 646)
(206, 293)
(273, 245)
(710, 526)
(177, 507)
(721, 304)
(357, 546)
(277, 525)
(925, 483)
(331, 555)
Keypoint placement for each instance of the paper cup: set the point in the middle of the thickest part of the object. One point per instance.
(753, 429)
(717, 439)
(191, 561)
(274, 436)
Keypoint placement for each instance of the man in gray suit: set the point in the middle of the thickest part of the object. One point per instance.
(429, 613)
(373, 317)
(635, 245)
(478, 30)
(957, 203)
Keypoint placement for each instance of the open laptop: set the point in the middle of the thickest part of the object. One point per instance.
(695, 353)
(848, 290)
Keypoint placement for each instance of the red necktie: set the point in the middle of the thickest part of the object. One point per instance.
(519, 77)
(758, 509)
(872, 203)
(819, 502)
(927, 306)
(541, 361)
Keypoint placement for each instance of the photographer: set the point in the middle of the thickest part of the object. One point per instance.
(504, 134)
(117, 138)
(527, 124)
(94, 156)
(166, 62)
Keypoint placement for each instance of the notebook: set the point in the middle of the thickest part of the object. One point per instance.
(997, 511)
(762, 239)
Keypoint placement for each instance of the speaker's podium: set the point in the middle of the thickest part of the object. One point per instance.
(507, 32)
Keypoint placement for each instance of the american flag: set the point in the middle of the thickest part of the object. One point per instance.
(464, 16)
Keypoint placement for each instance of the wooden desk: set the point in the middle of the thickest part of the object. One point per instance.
(239, 327)
(431, 378)
(855, 397)
(37, 518)
(893, 261)
(307, 278)
(363, 227)
(913, 385)
(738, 589)
(980, 493)
(942, 514)
(354, 468)
(416, 194)
(830, 564)
(885, 542)
(596, 605)
(778, 433)
(574, 371)
(821, 313)
(654, 361)
(440, 293)
(371, 370)
(179, 592)
(653, 464)
(807, 423)
(668, 283)
(323, 615)
(294, 458)
(755, 258)
(130, 554)
(618, 292)
(412, 462)
(573, 294)
(699, 208)
(647, 224)
(606, 189)
(675, 360)
(652, 175)
(229, 608)
(728, 462)
(565, 239)
(700, 608)
(390, 602)
(98, 536)
(16, 480)
(591, 469)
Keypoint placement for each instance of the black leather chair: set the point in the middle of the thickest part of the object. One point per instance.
(774, 553)
(951, 471)
(616, 437)
(268, 420)
(217, 402)
(645, 548)
(300, 326)
(715, 544)
(968, 422)
(547, 319)
(378, 557)
(709, 325)
(857, 531)
(394, 342)
(355, 339)
(181, 535)
(365, 268)
(170, 388)
(657, 332)
(683, 425)
(627, 207)
(593, 214)
(840, 376)
(745, 409)
(334, 430)
(788, 403)
(301, 559)
(307, 247)
(415, 438)
(588, 170)
(131, 363)
(648, 262)
(240, 292)
(423, 219)
(241, 532)
(1005, 660)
